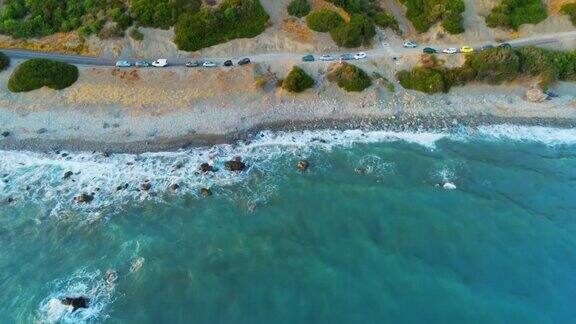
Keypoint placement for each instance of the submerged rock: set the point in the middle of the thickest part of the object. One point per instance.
(302, 165)
(205, 192)
(75, 302)
(67, 174)
(84, 198)
(145, 186)
(5, 134)
(174, 186)
(205, 167)
(235, 165)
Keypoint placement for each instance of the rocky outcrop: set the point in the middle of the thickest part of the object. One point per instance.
(235, 165)
(67, 174)
(84, 198)
(205, 167)
(205, 192)
(302, 165)
(5, 134)
(75, 302)
(145, 186)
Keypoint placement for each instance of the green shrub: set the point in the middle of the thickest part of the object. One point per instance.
(324, 20)
(424, 13)
(570, 10)
(161, 13)
(136, 34)
(495, 65)
(359, 31)
(4, 61)
(349, 77)
(232, 19)
(37, 73)
(297, 80)
(299, 8)
(514, 13)
(423, 79)
(384, 20)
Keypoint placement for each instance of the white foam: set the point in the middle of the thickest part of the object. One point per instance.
(545, 135)
(449, 186)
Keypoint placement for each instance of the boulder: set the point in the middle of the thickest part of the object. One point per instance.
(145, 186)
(84, 198)
(536, 95)
(67, 174)
(75, 302)
(302, 165)
(235, 165)
(5, 134)
(205, 192)
(205, 167)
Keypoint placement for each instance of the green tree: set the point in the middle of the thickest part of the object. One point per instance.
(297, 80)
(324, 20)
(299, 8)
(37, 73)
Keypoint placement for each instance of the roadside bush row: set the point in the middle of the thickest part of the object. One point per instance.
(349, 77)
(371, 9)
(512, 14)
(494, 66)
(424, 13)
(37, 73)
(359, 31)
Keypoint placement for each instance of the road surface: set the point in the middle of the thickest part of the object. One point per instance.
(385, 50)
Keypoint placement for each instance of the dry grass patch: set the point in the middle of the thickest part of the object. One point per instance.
(66, 43)
(323, 4)
(296, 30)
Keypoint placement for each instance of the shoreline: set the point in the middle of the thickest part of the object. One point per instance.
(395, 123)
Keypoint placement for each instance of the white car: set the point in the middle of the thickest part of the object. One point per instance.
(160, 63)
(208, 64)
(360, 56)
(410, 44)
(451, 50)
(326, 57)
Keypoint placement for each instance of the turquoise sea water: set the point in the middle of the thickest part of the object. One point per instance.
(473, 227)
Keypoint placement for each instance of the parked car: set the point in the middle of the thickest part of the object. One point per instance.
(505, 45)
(209, 64)
(193, 63)
(123, 64)
(410, 44)
(308, 58)
(429, 50)
(326, 57)
(160, 63)
(360, 56)
(451, 50)
(228, 63)
(346, 57)
(487, 46)
(142, 64)
(244, 61)
(466, 49)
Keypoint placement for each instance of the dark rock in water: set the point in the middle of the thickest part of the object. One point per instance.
(145, 186)
(205, 192)
(235, 165)
(119, 188)
(67, 174)
(5, 134)
(75, 302)
(42, 131)
(302, 165)
(10, 200)
(205, 167)
(84, 198)
(177, 166)
(174, 186)
(106, 154)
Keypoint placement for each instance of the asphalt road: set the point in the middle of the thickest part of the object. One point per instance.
(385, 50)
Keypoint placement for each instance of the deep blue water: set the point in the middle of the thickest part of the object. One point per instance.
(373, 232)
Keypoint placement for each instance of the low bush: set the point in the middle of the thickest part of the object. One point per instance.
(37, 73)
(428, 80)
(136, 34)
(349, 77)
(359, 31)
(297, 80)
(4, 61)
(230, 20)
(324, 20)
(494, 66)
(570, 10)
(424, 13)
(299, 8)
(512, 14)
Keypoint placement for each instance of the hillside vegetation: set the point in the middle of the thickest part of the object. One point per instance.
(570, 10)
(37, 73)
(425, 13)
(512, 14)
(493, 66)
(349, 77)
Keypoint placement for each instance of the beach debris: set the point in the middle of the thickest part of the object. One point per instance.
(67, 174)
(145, 186)
(5, 134)
(536, 95)
(174, 186)
(205, 192)
(75, 302)
(205, 167)
(302, 165)
(235, 165)
(84, 198)
(449, 186)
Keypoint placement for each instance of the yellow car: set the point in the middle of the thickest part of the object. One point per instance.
(466, 49)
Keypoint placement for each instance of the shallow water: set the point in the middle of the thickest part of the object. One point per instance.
(474, 226)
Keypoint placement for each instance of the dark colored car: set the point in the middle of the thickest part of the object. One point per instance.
(505, 45)
(346, 57)
(429, 50)
(228, 63)
(244, 61)
(487, 46)
(308, 58)
(193, 64)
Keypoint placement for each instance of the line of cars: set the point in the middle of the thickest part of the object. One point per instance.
(328, 57)
(164, 63)
(454, 50)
